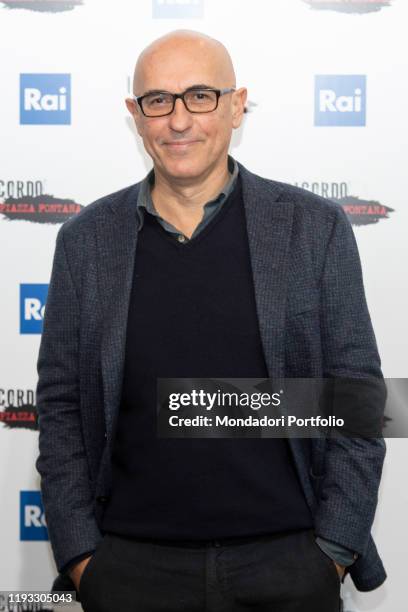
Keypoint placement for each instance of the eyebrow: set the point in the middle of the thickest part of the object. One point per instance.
(195, 86)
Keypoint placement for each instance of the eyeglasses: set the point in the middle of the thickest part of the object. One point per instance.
(196, 100)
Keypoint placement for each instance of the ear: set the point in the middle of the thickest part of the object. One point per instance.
(239, 99)
(134, 111)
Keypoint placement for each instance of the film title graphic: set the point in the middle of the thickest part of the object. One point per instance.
(17, 409)
(25, 200)
(356, 7)
(358, 210)
(42, 6)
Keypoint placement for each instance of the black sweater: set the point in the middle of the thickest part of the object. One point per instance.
(192, 313)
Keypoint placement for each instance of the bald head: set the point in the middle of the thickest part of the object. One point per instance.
(187, 146)
(186, 49)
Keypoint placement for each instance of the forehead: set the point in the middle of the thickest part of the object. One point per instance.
(177, 69)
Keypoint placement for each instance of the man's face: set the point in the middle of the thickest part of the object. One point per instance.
(186, 145)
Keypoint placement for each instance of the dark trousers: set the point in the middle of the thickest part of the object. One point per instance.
(277, 573)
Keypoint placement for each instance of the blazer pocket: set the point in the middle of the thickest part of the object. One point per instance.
(84, 575)
(329, 563)
(89, 568)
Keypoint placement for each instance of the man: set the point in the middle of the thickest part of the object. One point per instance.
(202, 269)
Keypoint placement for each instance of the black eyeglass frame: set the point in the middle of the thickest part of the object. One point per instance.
(218, 92)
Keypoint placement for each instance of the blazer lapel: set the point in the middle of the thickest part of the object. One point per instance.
(117, 238)
(269, 224)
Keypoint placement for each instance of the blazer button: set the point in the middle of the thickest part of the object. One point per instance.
(102, 499)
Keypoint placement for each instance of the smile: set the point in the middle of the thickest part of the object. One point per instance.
(180, 146)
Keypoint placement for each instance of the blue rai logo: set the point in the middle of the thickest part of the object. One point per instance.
(178, 9)
(32, 307)
(32, 518)
(340, 100)
(45, 99)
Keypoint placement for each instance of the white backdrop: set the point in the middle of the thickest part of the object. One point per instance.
(278, 48)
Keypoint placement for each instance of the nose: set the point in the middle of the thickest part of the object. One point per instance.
(180, 118)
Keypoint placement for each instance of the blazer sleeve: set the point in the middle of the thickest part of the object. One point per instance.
(62, 463)
(349, 491)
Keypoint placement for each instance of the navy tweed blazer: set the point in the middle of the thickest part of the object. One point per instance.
(314, 322)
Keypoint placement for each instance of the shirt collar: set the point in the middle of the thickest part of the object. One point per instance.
(145, 203)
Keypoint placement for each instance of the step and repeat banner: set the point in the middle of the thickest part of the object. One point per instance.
(327, 111)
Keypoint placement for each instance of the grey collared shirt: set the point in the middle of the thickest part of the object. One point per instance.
(145, 203)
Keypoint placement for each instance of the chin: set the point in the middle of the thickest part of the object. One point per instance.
(183, 167)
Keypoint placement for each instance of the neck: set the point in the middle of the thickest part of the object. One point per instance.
(181, 202)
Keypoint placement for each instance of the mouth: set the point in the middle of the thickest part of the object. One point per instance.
(180, 145)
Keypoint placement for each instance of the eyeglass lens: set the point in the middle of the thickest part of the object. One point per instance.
(196, 101)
